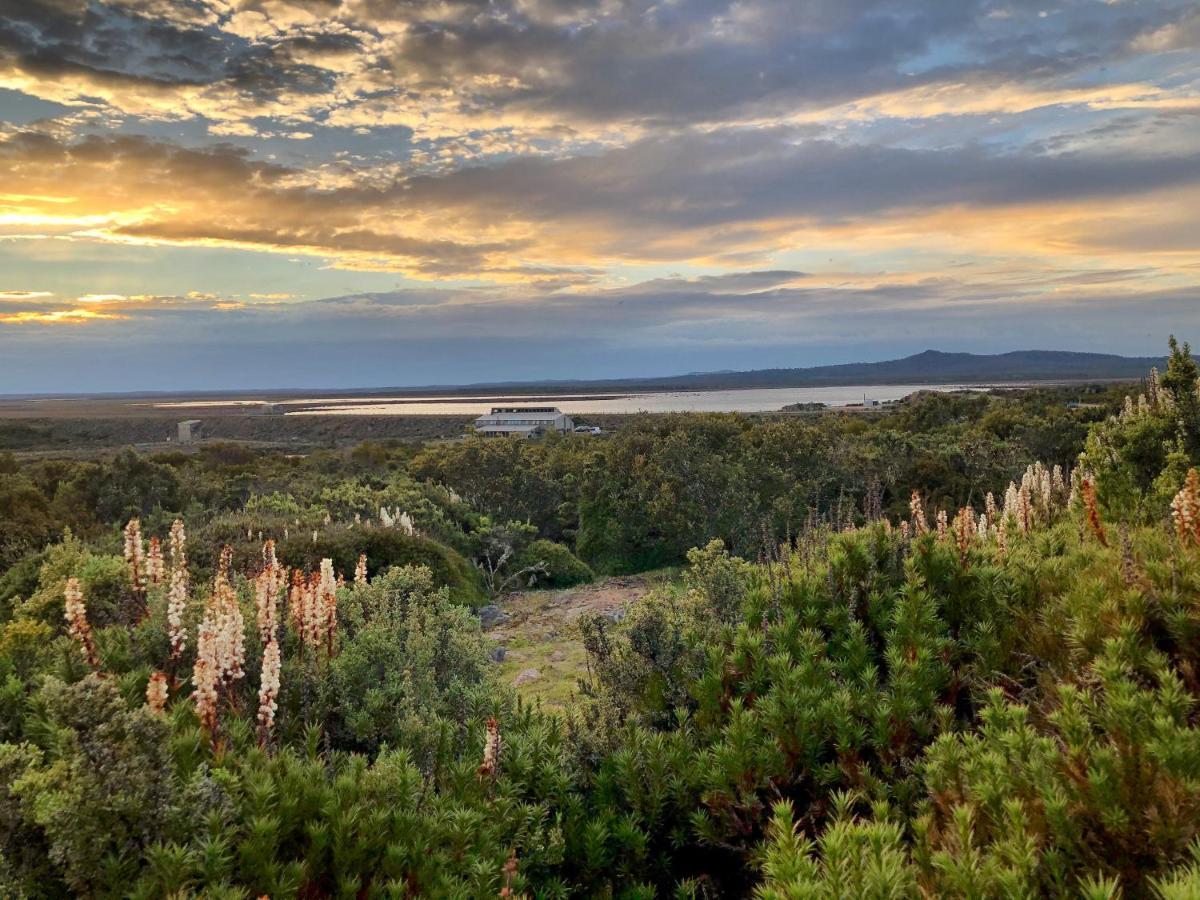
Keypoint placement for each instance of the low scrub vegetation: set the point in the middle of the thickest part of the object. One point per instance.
(984, 684)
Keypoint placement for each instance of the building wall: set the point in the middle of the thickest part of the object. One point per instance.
(522, 423)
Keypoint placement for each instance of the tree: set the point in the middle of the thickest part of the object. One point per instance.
(25, 521)
(1181, 381)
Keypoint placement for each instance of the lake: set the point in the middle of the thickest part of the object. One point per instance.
(748, 400)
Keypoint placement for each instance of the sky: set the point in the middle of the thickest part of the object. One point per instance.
(223, 194)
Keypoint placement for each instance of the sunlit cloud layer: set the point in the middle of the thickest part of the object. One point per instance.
(680, 185)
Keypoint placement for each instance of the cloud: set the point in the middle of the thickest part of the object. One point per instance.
(57, 316)
(23, 296)
(662, 326)
(550, 70)
(700, 198)
(1182, 34)
(682, 174)
(770, 298)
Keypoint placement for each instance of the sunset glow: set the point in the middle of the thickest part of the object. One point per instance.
(353, 192)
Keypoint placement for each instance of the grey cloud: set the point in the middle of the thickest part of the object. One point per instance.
(1181, 34)
(719, 188)
(730, 282)
(133, 42)
(693, 180)
(623, 314)
(222, 194)
(579, 60)
(421, 337)
(706, 61)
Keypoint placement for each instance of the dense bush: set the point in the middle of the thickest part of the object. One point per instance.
(1140, 455)
(563, 568)
(641, 498)
(1002, 702)
(412, 667)
(25, 516)
(987, 723)
(385, 548)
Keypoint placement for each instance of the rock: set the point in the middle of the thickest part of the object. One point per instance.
(497, 654)
(527, 676)
(557, 656)
(491, 615)
(616, 614)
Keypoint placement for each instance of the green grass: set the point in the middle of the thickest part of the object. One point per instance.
(561, 664)
(542, 633)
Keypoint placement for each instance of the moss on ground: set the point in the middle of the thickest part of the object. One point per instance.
(542, 632)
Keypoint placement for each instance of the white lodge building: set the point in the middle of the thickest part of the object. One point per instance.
(526, 421)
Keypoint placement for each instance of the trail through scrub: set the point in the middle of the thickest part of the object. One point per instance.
(538, 642)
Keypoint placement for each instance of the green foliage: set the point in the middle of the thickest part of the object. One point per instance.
(563, 568)
(385, 548)
(1140, 457)
(273, 505)
(720, 580)
(856, 713)
(511, 478)
(25, 521)
(1180, 383)
(411, 669)
(648, 666)
(640, 498)
(101, 789)
(133, 486)
(851, 859)
(105, 579)
(19, 581)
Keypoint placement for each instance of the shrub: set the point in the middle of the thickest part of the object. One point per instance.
(563, 568)
(105, 789)
(411, 664)
(385, 548)
(104, 579)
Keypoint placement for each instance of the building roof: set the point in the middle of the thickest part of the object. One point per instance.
(523, 419)
(520, 418)
(520, 414)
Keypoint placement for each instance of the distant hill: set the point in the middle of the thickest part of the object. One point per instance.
(929, 367)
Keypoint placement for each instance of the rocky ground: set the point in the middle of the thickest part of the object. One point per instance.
(536, 634)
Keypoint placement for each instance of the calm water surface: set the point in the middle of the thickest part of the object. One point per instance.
(749, 400)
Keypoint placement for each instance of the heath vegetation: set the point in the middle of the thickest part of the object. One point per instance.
(949, 651)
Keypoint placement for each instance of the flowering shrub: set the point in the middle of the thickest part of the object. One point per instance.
(942, 694)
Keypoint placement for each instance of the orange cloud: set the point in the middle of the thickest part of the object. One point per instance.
(567, 222)
(24, 296)
(56, 317)
(991, 98)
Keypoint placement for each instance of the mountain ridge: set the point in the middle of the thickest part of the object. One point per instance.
(927, 367)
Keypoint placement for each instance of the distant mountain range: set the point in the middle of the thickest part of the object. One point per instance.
(930, 367)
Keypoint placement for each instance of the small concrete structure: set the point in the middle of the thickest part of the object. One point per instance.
(190, 431)
(526, 421)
